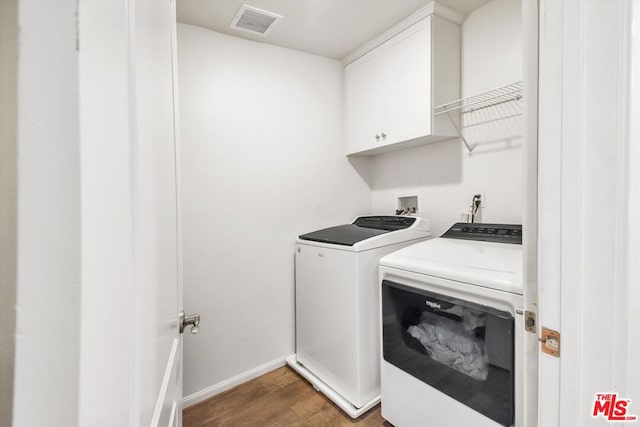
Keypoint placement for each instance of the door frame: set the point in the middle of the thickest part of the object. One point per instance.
(587, 230)
(530, 41)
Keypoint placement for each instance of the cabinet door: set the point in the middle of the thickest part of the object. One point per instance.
(406, 84)
(363, 102)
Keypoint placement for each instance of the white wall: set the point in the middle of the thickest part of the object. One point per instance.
(48, 233)
(8, 184)
(262, 162)
(443, 175)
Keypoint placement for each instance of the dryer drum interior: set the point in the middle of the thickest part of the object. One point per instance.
(463, 349)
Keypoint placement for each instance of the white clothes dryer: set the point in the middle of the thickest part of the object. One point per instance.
(337, 305)
(452, 329)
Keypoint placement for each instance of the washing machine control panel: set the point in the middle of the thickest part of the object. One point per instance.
(499, 233)
(384, 222)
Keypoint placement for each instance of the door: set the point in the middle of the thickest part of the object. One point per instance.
(130, 343)
(364, 110)
(156, 210)
(406, 84)
(99, 290)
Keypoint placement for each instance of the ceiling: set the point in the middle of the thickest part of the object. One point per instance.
(331, 28)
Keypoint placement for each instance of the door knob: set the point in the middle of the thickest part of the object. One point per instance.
(384, 135)
(377, 137)
(186, 320)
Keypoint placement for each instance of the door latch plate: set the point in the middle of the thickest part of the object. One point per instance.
(550, 342)
(530, 321)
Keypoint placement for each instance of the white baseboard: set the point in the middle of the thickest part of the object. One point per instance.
(225, 385)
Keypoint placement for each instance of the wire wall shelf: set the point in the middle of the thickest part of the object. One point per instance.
(501, 95)
(512, 92)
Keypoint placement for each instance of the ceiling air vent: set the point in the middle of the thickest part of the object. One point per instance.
(254, 20)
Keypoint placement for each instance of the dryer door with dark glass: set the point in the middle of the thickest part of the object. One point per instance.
(461, 348)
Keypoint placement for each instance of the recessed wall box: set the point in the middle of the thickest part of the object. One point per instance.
(408, 205)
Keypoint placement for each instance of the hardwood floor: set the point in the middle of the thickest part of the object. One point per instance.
(279, 398)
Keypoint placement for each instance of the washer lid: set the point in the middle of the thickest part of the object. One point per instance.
(489, 264)
(348, 234)
(362, 228)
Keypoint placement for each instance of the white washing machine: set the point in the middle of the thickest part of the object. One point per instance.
(337, 305)
(452, 329)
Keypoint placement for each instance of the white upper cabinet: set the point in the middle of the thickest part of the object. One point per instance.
(364, 100)
(391, 88)
(406, 84)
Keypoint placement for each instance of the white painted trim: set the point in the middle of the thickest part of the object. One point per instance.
(530, 25)
(225, 385)
(178, 147)
(44, 240)
(107, 266)
(178, 183)
(165, 382)
(574, 147)
(324, 388)
(621, 283)
(448, 14)
(172, 416)
(633, 192)
(550, 120)
(432, 8)
(8, 201)
(134, 295)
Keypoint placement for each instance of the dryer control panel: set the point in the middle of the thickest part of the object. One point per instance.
(499, 233)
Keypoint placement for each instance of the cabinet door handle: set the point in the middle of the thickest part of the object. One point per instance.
(384, 135)
(377, 137)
